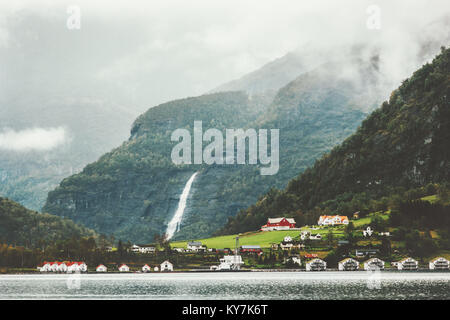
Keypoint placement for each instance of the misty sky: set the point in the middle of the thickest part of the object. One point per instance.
(137, 54)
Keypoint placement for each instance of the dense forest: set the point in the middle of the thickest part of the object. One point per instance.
(22, 227)
(402, 145)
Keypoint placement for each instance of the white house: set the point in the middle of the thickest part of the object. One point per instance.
(82, 266)
(156, 269)
(368, 232)
(54, 266)
(316, 265)
(332, 220)
(62, 267)
(315, 237)
(304, 235)
(73, 267)
(101, 268)
(166, 266)
(46, 267)
(146, 268)
(124, 268)
(439, 264)
(180, 250)
(384, 234)
(373, 264)
(408, 264)
(348, 264)
(143, 249)
(195, 246)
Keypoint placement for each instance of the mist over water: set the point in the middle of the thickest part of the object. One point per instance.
(172, 227)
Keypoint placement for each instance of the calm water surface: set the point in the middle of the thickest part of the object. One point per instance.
(245, 285)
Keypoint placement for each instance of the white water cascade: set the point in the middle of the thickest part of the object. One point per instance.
(176, 220)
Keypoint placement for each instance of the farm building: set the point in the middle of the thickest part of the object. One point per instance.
(348, 264)
(439, 264)
(278, 224)
(195, 246)
(316, 265)
(374, 264)
(408, 264)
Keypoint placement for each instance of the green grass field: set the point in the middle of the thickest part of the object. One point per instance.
(266, 238)
(261, 238)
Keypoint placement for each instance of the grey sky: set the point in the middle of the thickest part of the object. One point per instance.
(131, 55)
(148, 52)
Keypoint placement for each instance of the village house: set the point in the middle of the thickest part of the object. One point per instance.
(143, 249)
(408, 264)
(101, 268)
(166, 266)
(374, 264)
(315, 237)
(250, 249)
(332, 220)
(68, 267)
(195, 246)
(304, 235)
(45, 267)
(180, 250)
(316, 265)
(146, 268)
(348, 264)
(356, 215)
(291, 245)
(439, 264)
(368, 232)
(124, 268)
(279, 224)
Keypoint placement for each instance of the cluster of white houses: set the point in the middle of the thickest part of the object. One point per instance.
(67, 267)
(350, 264)
(75, 267)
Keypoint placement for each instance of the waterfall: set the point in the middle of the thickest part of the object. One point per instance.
(174, 224)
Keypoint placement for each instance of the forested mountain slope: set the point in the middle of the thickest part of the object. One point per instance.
(402, 144)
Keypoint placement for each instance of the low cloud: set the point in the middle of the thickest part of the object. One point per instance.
(33, 139)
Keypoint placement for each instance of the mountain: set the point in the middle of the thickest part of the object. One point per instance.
(133, 191)
(20, 226)
(403, 144)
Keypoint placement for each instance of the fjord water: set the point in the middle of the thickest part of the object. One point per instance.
(176, 220)
(244, 285)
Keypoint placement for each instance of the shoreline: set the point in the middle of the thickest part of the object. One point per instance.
(390, 270)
